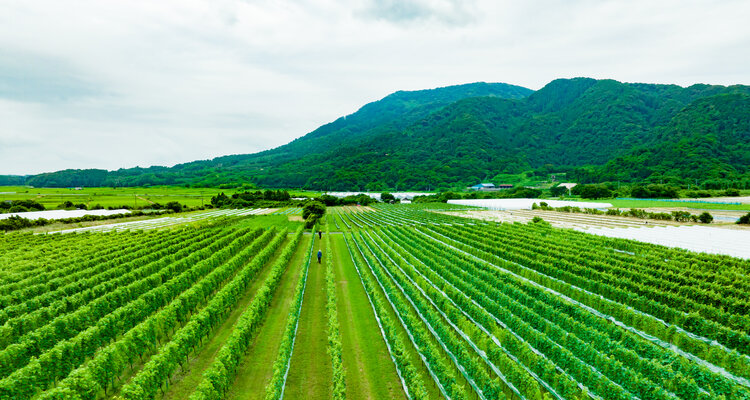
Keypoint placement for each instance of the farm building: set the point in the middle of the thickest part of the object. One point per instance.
(568, 185)
(483, 186)
(487, 187)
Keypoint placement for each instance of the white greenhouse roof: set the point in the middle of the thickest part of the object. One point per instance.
(524, 204)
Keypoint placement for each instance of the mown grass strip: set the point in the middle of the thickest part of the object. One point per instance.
(275, 387)
(411, 382)
(338, 383)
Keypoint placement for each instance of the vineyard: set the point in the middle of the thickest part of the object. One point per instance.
(405, 304)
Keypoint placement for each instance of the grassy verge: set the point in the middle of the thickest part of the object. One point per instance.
(335, 348)
(310, 373)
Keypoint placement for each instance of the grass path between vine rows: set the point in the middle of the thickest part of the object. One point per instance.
(184, 383)
(370, 372)
(256, 368)
(310, 373)
(129, 373)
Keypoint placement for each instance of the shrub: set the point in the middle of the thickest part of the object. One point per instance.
(660, 216)
(558, 191)
(731, 192)
(705, 218)
(681, 216)
(524, 193)
(592, 191)
(636, 213)
(386, 197)
(695, 194)
(15, 222)
(174, 206)
(745, 219)
(653, 191)
(311, 213)
(18, 209)
(66, 205)
(543, 206)
(28, 205)
(539, 221)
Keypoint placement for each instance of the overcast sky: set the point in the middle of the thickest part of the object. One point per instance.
(119, 84)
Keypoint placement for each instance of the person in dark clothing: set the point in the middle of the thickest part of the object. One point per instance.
(320, 255)
(320, 234)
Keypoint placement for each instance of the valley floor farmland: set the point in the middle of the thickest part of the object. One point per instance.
(406, 303)
(112, 197)
(718, 238)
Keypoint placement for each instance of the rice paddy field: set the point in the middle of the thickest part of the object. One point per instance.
(111, 197)
(405, 302)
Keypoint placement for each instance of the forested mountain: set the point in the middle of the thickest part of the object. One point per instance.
(595, 130)
(708, 140)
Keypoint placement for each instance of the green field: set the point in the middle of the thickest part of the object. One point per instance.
(116, 197)
(110, 197)
(51, 198)
(406, 304)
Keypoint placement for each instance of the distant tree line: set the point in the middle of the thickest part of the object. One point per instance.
(514, 193)
(15, 206)
(357, 199)
(258, 198)
(640, 191)
(679, 216)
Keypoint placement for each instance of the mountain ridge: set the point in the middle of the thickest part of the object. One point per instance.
(594, 130)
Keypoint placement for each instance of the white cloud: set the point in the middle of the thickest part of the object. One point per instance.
(113, 84)
(450, 12)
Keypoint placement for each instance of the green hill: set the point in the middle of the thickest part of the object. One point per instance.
(709, 140)
(595, 130)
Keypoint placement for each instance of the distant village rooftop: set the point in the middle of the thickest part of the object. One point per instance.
(487, 187)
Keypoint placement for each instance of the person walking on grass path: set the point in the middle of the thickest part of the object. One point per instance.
(320, 234)
(320, 255)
